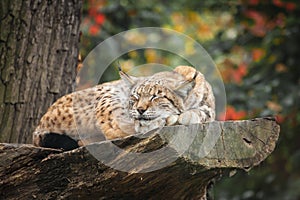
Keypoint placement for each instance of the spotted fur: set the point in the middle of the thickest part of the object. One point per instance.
(128, 106)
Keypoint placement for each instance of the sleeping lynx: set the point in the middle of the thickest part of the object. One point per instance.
(125, 107)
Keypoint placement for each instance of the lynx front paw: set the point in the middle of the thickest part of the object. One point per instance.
(189, 117)
(172, 120)
(144, 126)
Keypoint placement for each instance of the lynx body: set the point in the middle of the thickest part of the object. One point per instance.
(128, 106)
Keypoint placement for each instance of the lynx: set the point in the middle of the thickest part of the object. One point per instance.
(127, 106)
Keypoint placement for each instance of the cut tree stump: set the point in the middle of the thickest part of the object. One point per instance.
(177, 162)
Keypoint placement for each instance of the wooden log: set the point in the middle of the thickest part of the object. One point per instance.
(177, 162)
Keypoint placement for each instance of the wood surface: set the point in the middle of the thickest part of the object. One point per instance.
(177, 162)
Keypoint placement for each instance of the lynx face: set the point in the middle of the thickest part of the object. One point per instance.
(157, 101)
(149, 102)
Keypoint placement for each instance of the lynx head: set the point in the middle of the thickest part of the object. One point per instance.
(157, 96)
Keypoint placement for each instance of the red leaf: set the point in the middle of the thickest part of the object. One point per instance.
(279, 118)
(290, 6)
(100, 18)
(232, 114)
(259, 28)
(242, 69)
(257, 54)
(94, 29)
(253, 2)
(278, 3)
(92, 12)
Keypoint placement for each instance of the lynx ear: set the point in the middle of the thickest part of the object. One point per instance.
(184, 88)
(125, 77)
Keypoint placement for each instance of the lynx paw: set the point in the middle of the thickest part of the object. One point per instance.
(142, 126)
(171, 120)
(189, 117)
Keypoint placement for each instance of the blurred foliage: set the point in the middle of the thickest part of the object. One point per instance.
(255, 45)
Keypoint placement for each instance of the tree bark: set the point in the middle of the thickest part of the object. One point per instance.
(39, 51)
(28, 172)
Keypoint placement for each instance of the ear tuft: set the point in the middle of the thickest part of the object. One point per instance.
(125, 77)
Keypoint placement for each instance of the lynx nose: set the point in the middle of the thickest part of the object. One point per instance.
(141, 110)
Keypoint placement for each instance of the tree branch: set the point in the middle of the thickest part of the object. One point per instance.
(177, 161)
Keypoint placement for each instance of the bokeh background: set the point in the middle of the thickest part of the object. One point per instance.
(255, 45)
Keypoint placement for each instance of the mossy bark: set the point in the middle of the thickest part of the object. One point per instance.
(38, 59)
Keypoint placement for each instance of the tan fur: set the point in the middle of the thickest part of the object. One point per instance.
(130, 105)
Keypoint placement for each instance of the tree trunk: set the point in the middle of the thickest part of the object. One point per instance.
(39, 51)
(28, 172)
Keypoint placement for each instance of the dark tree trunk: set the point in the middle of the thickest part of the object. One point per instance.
(39, 51)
